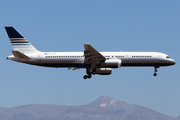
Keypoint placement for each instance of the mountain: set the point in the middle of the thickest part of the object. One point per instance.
(103, 108)
(107, 102)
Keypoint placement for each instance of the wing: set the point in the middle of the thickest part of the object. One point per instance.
(92, 55)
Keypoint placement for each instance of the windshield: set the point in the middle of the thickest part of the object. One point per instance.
(167, 57)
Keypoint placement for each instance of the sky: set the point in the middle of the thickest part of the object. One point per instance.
(59, 26)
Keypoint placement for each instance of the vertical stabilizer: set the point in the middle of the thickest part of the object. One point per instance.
(19, 43)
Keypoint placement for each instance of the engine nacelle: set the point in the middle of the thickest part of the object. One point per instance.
(103, 71)
(111, 63)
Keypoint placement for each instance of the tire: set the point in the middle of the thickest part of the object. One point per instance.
(155, 74)
(89, 76)
(85, 77)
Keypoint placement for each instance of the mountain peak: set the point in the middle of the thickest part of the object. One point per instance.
(102, 101)
(104, 98)
(106, 101)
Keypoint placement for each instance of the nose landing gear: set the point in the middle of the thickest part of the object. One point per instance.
(155, 70)
(155, 74)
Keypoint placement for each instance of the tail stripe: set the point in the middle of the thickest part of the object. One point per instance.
(18, 39)
(20, 42)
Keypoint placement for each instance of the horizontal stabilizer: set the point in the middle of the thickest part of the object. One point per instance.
(20, 55)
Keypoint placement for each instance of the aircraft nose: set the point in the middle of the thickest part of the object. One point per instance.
(173, 62)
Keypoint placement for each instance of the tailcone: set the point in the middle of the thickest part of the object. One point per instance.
(10, 57)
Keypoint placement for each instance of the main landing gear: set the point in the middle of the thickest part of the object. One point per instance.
(155, 70)
(89, 72)
(87, 76)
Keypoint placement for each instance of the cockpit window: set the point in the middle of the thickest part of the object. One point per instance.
(167, 57)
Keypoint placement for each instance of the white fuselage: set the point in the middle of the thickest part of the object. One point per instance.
(76, 59)
(93, 61)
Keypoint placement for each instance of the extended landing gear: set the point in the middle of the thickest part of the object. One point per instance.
(89, 72)
(87, 76)
(155, 74)
(155, 70)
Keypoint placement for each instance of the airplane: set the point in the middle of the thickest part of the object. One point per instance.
(93, 61)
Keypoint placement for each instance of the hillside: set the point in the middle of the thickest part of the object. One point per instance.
(103, 108)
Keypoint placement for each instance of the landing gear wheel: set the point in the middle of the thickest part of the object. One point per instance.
(85, 77)
(90, 72)
(89, 76)
(155, 70)
(155, 74)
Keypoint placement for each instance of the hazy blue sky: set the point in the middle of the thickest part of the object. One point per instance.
(129, 25)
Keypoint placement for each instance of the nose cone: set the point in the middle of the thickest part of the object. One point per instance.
(173, 62)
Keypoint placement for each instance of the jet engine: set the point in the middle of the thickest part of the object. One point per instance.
(103, 71)
(111, 63)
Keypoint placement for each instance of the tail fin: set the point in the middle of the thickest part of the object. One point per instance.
(19, 43)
